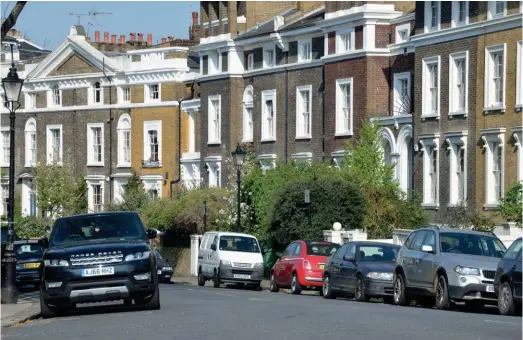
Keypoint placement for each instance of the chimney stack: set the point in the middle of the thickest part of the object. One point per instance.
(106, 37)
(97, 36)
(140, 36)
(133, 36)
(149, 39)
(195, 18)
(122, 39)
(164, 40)
(170, 38)
(113, 39)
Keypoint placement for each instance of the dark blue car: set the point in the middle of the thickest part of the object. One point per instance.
(507, 282)
(28, 260)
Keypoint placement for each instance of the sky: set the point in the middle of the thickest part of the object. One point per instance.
(48, 22)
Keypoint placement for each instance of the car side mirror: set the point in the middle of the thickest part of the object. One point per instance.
(213, 247)
(44, 242)
(427, 249)
(151, 233)
(349, 258)
(47, 229)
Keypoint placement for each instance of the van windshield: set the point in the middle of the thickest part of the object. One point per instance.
(239, 243)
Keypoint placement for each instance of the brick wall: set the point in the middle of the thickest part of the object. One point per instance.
(41, 99)
(382, 35)
(137, 94)
(75, 64)
(110, 95)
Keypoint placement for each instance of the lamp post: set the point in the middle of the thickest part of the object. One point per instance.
(12, 86)
(238, 157)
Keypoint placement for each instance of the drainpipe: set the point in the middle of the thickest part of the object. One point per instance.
(286, 116)
(110, 132)
(390, 77)
(323, 114)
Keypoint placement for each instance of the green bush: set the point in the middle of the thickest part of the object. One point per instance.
(332, 200)
(32, 227)
(511, 204)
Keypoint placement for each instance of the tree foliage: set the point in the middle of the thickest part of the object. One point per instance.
(134, 197)
(511, 204)
(32, 227)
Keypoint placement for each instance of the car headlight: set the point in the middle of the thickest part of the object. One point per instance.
(167, 268)
(380, 276)
(141, 255)
(56, 263)
(258, 265)
(225, 262)
(467, 270)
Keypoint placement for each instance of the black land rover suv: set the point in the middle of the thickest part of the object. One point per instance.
(98, 257)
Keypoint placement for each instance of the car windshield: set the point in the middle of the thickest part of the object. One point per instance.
(89, 228)
(513, 250)
(321, 248)
(28, 251)
(378, 253)
(4, 235)
(239, 243)
(471, 244)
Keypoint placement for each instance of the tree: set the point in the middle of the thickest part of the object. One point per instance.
(511, 204)
(10, 21)
(134, 197)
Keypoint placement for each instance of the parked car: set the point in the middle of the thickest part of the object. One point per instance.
(438, 267)
(165, 272)
(361, 269)
(226, 257)
(98, 257)
(28, 260)
(507, 283)
(301, 266)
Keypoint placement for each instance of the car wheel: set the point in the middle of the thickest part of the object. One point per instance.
(400, 292)
(326, 289)
(442, 293)
(45, 311)
(153, 302)
(295, 285)
(216, 279)
(359, 292)
(201, 279)
(274, 286)
(505, 300)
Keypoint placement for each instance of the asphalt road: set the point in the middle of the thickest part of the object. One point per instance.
(191, 312)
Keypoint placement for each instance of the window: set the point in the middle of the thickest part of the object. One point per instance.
(97, 93)
(250, 61)
(497, 170)
(54, 144)
(304, 50)
(461, 175)
(493, 143)
(431, 89)
(154, 92)
(344, 107)
(517, 136)
(495, 77)
(152, 144)
(496, 9)
(345, 40)
(4, 196)
(458, 87)
(30, 101)
(433, 175)
(519, 75)
(303, 111)
(248, 127)
(269, 115)
(152, 185)
(269, 57)
(126, 94)
(95, 140)
(430, 151)
(6, 149)
(457, 145)
(56, 96)
(214, 168)
(402, 97)
(214, 120)
(402, 33)
(124, 141)
(513, 250)
(460, 13)
(432, 16)
(30, 142)
(97, 198)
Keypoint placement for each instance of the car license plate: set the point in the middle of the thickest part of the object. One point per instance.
(322, 266)
(98, 271)
(242, 276)
(159, 272)
(31, 265)
(490, 289)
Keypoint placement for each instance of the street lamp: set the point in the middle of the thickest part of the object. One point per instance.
(12, 86)
(238, 157)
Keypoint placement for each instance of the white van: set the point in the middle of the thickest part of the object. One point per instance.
(226, 257)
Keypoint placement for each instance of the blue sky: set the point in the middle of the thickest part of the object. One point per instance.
(49, 21)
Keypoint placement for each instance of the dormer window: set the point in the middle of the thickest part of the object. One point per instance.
(250, 61)
(432, 16)
(304, 50)
(269, 57)
(402, 33)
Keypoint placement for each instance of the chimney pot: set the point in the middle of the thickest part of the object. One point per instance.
(140, 36)
(170, 38)
(195, 18)
(97, 36)
(113, 39)
(106, 37)
(164, 40)
(122, 39)
(149, 39)
(133, 36)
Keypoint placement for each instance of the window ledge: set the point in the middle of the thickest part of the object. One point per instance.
(268, 139)
(429, 116)
(214, 142)
(248, 140)
(501, 108)
(151, 164)
(4, 165)
(123, 165)
(457, 205)
(459, 113)
(95, 164)
(30, 165)
(518, 107)
(430, 206)
(343, 134)
(490, 206)
(304, 137)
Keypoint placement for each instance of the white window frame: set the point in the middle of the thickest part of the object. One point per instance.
(92, 94)
(248, 122)
(30, 101)
(269, 136)
(517, 134)
(52, 96)
(150, 125)
(123, 127)
(30, 131)
(428, 16)
(91, 183)
(123, 97)
(269, 61)
(301, 123)
(340, 42)
(214, 137)
(152, 182)
(402, 28)
(301, 46)
(119, 188)
(341, 130)
(250, 61)
(214, 171)
(430, 143)
(519, 76)
(456, 142)
(453, 83)
(5, 131)
(397, 108)
(492, 138)
(426, 86)
(489, 94)
(149, 92)
(491, 12)
(455, 14)
(91, 161)
(267, 162)
(49, 143)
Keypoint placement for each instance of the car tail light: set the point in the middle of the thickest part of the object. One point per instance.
(306, 265)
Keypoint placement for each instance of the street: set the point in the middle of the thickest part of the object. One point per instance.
(191, 312)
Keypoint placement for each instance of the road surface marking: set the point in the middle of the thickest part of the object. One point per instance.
(225, 294)
(496, 321)
(256, 299)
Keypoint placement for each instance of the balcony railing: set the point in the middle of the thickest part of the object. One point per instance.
(151, 164)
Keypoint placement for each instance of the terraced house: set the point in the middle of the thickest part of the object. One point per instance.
(467, 104)
(103, 108)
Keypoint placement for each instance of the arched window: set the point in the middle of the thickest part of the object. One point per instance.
(56, 96)
(406, 158)
(124, 140)
(248, 122)
(30, 142)
(97, 93)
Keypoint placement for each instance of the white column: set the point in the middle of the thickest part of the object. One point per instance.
(195, 244)
(369, 37)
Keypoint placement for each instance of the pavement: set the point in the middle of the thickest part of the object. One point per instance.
(204, 313)
(28, 307)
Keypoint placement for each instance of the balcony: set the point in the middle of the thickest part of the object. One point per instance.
(151, 163)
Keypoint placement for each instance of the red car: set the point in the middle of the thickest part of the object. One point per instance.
(301, 266)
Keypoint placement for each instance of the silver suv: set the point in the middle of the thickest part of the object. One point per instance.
(440, 266)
